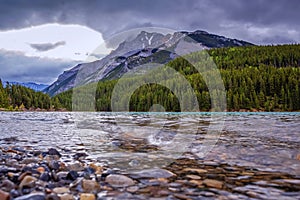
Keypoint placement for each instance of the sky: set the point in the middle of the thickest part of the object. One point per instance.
(39, 39)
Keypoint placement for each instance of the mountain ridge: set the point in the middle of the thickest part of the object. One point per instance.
(35, 86)
(144, 48)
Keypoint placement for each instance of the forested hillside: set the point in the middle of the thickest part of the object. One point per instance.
(257, 78)
(20, 98)
(265, 78)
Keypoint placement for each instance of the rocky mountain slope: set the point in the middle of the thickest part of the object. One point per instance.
(144, 48)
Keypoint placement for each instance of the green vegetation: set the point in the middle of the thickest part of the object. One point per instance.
(20, 98)
(263, 78)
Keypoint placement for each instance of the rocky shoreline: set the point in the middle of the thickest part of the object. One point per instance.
(27, 173)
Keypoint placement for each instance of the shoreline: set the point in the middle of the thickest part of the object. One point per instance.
(30, 173)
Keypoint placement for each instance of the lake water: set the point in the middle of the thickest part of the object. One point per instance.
(267, 141)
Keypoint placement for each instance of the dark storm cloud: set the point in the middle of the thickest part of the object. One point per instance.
(258, 21)
(15, 66)
(47, 46)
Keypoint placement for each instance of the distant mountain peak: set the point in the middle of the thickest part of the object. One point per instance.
(35, 86)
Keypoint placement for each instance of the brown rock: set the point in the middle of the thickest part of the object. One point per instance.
(27, 181)
(298, 157)
(182, 196)
(90, 186)
(98, 169)
(22, 176)
(161, 180)
(213, 183)
(197, 182)
(199, 171)
(61, 190)
(87, 196)
(66, 197)
(4, 195)
(107, 188)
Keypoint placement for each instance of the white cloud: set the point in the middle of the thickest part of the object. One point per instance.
(78, 41)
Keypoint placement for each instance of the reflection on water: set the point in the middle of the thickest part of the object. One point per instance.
(269, 141)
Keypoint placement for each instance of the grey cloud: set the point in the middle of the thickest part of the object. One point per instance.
(112, 16)
(15, 66)
(47, 46)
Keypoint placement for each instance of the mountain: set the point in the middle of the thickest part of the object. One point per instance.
(144, 48)
(35, 86)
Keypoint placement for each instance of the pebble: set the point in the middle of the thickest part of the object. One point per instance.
(98, 169)
(132, 189)
(4, 195)
(182, 196)
(195, 177)
(213, 183)
(72, 175)
(116, 180)
(45, 176)
(199, 171)
(54, 164)
(79, 155)
(87, 196)
(33, 196)
(7, 185)
(66, 197)
(27, 181)
(75, 167)
(61, 190)
(40, 170)
(61, 175)
(53, 152)
(175, 185)
(197, 182)
(52, 197)
(29, 160)
(90, 186)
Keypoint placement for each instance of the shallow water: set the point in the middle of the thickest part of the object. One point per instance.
(266, 141)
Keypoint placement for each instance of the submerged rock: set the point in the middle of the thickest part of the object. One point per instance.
(152, 173)
(53, 152)
(116, 180)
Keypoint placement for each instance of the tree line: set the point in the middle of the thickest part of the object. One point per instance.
(20, 98)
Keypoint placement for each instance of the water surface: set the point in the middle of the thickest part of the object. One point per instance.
(267, 141)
